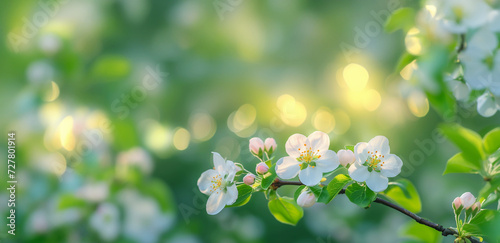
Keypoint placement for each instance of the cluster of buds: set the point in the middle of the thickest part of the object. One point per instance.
(258, 147)
(468, 202)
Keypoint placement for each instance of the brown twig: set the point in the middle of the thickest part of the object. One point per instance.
(444, 231)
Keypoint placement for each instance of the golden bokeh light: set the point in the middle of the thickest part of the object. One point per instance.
(371, 100)
(157, 137)
(181, 138)
(323, 120)
(407, 72)
(244, 117)
(412, 42)
(355, 76)
(418, 104)
(202, 126)
(66, 133)
(52, 93)
(292, 112)
(431, 9)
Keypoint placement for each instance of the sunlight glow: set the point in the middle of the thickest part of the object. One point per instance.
(66, 133)
(418, 104)
(293, 113)
(323, 120)
(181, 138)
(355, 76)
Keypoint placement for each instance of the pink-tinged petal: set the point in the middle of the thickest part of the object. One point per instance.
(377, 182)
(392, 165)
(295, 144)
(329, 161)
(216, 202)
(205, 181)
(219, 162)
(310, 176)
(319, 141)
(358, 172)
(287, 167)
(361, 151)
(380, 144)
(231, 194)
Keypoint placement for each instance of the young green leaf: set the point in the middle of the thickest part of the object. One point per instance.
(466, 140)
(269, 177)
(491, 140)
(285, 210)
(298, 192)
(244, 195)
(360, 195)
(458, 164)
(329, 192)
(404, 193)
(421, 233)
(349, 147)
(402, 18)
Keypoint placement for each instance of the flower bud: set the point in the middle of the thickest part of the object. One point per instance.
(256, 145)
(249, 179)
(467, 200)
(476, 206)
(306, 199)
(346, 157)
(270, 145)
(457, 203)
(262, 168)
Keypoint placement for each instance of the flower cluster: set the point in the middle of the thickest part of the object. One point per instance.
(468, 203)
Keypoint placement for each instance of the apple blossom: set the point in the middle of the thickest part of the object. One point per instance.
(306, 199)
(476, 206)
(256, 146)
(457, 202)
(346, 157)
(270, 145)
(218, 183)
(106, 222)
(457, 16)
(262, 168)
(249, 179)
(309, 157)
(374, 163)
(467, 200)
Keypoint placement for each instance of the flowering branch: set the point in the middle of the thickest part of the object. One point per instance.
(445, 231)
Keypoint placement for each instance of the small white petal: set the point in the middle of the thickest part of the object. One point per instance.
(377, 182)
(216, 202)
(361, 151)
(486, 105)
(380, 144)
(219, 162)
(205, 181)
(231, 194)
(230, 169)
(319, 141)
(294, 143)
(358, 172)
(310, 176)
(329, 161)
(392, 165)
(287, 167)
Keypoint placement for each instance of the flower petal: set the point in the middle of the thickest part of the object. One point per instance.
(287, 167)
(230, 170)
(329, 161)
(486, 105)
(358, 172)
(231, 194)
(216, 202)
(294, 143)
(205, 181)
(380, 144)
(310, 176)
(377, 182)
(319, 141)
(361, 151)
(392, 166)
(219, 162)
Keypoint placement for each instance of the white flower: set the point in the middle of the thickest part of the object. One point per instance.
(93, 191)
(306, 199)
(135, 157)
(218, 183)
(346, 157)
(309, 157)
(105, 221)
(482, 62)
(467, 200)
(458, 16)
(487, 104)
(374, 163)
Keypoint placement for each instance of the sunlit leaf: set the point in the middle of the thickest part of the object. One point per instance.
(244, 195)
(466, 140)
(360, 195)
(285, 210)
(329, 192)
(458, 164)
(269, 177)
(404, 193)
(491, 140)
(403, 18)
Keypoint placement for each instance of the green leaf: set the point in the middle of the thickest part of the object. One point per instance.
(404, 60)
(402, 18)
(360, 195)
(329, 192)
(349, 147)
(405, 194)
(161, 192)
(244, 195)
(458, 164)
(69, 201)
(316, 190)
(421, 233)
(298, 192)
(269, 177)
(466, 140)
(286, 210)
(491, 140)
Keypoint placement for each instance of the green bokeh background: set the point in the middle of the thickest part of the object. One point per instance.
(258, 52)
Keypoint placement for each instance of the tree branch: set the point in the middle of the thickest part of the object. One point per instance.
(444, 231)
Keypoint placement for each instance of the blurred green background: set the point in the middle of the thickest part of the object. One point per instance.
(117, 105)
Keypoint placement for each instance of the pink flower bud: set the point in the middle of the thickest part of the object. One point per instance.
(306, 199)
(270, 145)
(346, 157)
(249, 179)
(467, 200)
(256, 145)
(457, 202)
(476, 206)
(262, 168)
